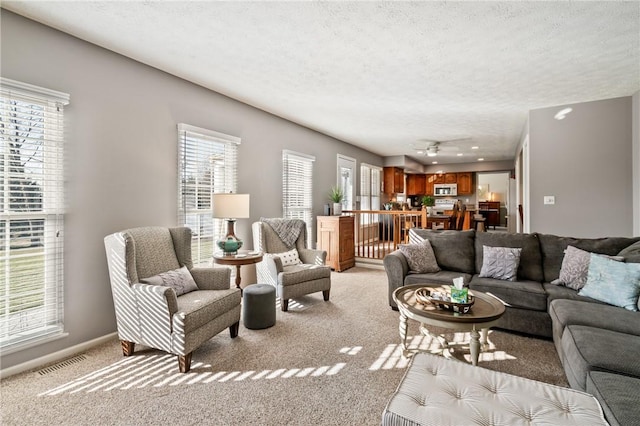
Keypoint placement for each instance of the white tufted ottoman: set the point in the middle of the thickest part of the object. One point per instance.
(439, 391)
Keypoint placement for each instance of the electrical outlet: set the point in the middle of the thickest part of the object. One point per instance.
(549, 199)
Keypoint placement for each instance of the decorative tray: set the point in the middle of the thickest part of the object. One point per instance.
(442, 300)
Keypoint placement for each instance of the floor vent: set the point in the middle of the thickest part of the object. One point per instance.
(63, 364)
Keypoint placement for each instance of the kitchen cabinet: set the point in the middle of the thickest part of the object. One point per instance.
(491, 211)
(336, 237)
(416, 184)
(393, 180)
(465, 183)
(450, 178)
(428, 185)
(438, 178)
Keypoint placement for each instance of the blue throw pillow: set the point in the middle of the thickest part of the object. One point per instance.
(615, 283)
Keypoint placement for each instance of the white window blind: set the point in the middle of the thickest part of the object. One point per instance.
(207, 164)
(31, 214)
(297, 188)
(370, 189)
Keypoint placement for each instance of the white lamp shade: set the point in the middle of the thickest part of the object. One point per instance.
(231, 206)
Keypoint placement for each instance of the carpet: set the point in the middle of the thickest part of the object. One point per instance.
(323, 363)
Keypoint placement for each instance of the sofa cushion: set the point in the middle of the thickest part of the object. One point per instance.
(561, 292)
(631, 254)
(618, 396)
(612, 282)
(530, 267)
(588, 349)
(500, 262)
(521, 294)
(437, 278)
(197, 308)
(454, 250)
(296, 274)
(566, 312)
(552, 249)
(420, 257)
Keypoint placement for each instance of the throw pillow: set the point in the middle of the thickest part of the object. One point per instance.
(180, 280)
(500, 262)
(575, 267)
(420, 257)
(289, 258)
(615, 283)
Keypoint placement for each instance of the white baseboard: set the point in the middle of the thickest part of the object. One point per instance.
(56, 356)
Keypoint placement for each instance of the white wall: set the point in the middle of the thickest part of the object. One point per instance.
(122, 156)
(585, 161)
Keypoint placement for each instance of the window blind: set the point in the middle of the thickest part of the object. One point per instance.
(297, 187)
(31, 213)
(207, 164)
(369, 190)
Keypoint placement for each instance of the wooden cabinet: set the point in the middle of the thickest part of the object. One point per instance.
(491, 211)
(393, 180)
(465, 183)
(416, 184)
(450, 178)
(336, 237)
(428, 185)
(438, 178)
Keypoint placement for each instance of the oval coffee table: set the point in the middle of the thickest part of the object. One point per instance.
(484, 313)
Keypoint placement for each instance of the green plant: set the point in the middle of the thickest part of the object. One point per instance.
(336, 195)
(428, 201)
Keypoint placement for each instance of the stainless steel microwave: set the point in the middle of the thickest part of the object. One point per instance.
(445, 189)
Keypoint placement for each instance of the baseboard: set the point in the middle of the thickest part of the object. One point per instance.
(56, 356)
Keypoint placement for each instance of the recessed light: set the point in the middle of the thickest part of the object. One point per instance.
(459, 154)
(432, 154)
(480, 159)
(420, 152)
(475, 147)
(562, 114)
(434, 162)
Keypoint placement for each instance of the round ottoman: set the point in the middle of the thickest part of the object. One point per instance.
(259, 306)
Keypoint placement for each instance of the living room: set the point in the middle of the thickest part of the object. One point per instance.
(121, 124)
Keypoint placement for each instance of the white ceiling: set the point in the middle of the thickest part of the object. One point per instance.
(379, 75)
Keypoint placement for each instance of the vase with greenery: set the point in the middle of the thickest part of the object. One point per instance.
(428, 201)
(336, 195)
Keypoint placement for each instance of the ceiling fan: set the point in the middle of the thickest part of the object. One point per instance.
(431, 147)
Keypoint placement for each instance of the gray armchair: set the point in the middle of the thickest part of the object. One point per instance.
(153, 315)
(309, 276)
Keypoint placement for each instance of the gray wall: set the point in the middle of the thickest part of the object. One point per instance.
(585, 161)
(122, 156)
(636, 163)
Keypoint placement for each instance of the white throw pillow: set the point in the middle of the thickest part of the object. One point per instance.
(500, 262)
(289, 258)
(180, 280)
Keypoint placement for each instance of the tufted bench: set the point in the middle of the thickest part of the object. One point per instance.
(439, 391)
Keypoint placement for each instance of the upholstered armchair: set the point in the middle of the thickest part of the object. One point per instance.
(160, 299)
(287, 263)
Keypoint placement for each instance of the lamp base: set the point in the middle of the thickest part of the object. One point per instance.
(230, 244)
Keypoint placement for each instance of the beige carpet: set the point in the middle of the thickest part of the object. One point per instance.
(323, 363)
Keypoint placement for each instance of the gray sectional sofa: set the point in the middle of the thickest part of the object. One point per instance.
(598, 344)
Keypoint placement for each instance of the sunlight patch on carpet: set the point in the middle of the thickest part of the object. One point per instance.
(158, 371)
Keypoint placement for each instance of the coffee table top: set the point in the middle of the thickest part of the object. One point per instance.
(485, 308)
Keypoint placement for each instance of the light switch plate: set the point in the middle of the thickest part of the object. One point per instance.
(549, 199)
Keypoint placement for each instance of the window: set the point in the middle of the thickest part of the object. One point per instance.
(207, 164)
(369, 189)
(297, 187)
(31, 214)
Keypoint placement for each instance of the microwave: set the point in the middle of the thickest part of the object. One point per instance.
(445, 189)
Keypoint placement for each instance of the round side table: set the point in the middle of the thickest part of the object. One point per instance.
(237, 260)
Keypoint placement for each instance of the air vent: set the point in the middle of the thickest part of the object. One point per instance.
(61, 365)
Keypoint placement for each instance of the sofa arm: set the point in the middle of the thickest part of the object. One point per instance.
(313, 257)
(212, 278)
(397, 268)
(156, 305)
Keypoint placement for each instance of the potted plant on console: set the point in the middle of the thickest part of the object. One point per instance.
(336, 195)
(428, 201)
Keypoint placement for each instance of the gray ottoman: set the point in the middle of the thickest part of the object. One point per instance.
(259, 306)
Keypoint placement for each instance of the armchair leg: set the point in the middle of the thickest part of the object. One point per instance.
(325, 294)
(127, 347)
(284, 305)
(184, 362)
(233, 330)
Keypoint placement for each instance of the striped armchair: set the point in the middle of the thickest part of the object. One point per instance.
(153, 315)
(308, 275)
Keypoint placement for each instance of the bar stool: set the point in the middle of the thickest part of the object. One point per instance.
(478, 222)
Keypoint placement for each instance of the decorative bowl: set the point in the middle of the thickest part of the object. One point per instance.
(442, 300)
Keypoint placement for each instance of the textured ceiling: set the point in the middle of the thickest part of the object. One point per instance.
(380, 75)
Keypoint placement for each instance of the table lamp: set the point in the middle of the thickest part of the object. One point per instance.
(230, 207)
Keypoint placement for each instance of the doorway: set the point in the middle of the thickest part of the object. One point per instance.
(499, 187)
(345, 179)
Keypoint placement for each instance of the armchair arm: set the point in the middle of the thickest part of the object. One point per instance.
(212, 278)
(312, 257)
(397, 268)
(155, 308)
